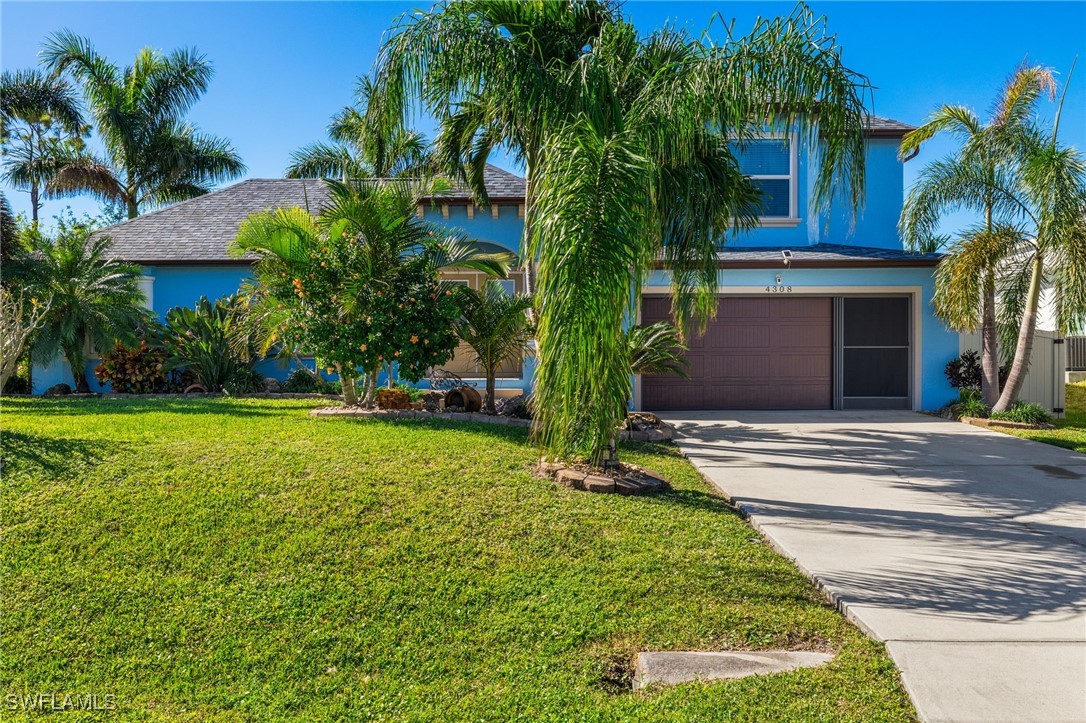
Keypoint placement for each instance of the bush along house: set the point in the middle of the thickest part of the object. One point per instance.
(815, 311)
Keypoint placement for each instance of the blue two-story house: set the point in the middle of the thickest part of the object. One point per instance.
(815, 312)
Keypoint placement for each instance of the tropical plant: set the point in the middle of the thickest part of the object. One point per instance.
(204, 341)
(1024, 413)
(495, 326)
(94, 300)
(970, 404)
(244, 380)
(153, 155)
(11, 244)
(361, 147)
(358, 285)
(20, 318)
(630, 151)
(138, 370)
(1050, 250)
(41, 129)
(972, 179)
(964, 371)
(657, 349)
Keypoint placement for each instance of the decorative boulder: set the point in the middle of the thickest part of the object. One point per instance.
(518, 407)
(58, 390)
(271, 385)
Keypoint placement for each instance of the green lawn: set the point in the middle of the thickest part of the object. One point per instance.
(239, 560)
(1071, 430)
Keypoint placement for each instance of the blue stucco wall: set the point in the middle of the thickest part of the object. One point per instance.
(938, 345)
(184, 285)
(876, 224)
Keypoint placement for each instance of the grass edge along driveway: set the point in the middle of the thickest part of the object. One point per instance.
(238, 559)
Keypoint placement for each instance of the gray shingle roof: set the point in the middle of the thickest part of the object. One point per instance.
(822, 254)
(200, 230)
(880, 127)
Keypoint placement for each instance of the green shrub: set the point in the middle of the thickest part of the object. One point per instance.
(244, 380)
(300, 381)
(413, 393)
(970, 404)
(1024, 413)
(205, 341)
(134, 371)
(17, 385)
(965, 371)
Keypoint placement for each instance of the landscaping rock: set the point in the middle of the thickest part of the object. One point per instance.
(571, 478)
(599, 483)
(58, 390)
(271, 386)
(670, 668)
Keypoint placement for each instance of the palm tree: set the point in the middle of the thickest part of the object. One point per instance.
(41, 127)
(1051, 244)
(92, 298)
(361, 147)
(495, 326)
(629, 155)
(966, 281)
(657, 349)
(153, 155)
(378, 221)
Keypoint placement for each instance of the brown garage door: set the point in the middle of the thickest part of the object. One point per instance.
(759, 353)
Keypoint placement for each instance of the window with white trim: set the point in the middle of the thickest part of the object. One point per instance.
(770, 163)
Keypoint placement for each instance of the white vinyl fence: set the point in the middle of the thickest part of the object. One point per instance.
(1045, 382)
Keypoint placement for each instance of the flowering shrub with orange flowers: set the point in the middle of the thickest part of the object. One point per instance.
(404, 317)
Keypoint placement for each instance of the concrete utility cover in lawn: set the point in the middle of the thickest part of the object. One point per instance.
(669, 668)
(963, 549)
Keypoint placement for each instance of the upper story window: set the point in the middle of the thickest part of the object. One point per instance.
(770, 163)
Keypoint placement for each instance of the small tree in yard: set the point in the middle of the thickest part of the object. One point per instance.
(20, 317)
(358, 285)
(495, 325)
(92, 297)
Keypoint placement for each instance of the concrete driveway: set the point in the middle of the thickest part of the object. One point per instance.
(963, 549)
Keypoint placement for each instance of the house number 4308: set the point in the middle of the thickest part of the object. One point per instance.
(778, 289)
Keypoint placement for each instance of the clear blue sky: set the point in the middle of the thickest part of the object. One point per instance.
(283, 68)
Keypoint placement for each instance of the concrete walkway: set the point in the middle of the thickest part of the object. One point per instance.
(963, 549)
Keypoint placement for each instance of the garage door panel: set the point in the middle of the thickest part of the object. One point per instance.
(786, 368)
(798, 336)
(759, 353)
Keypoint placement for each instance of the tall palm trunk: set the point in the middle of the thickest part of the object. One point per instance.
(989, 343)
(989, 335)
(1024, 349)
(133, 208)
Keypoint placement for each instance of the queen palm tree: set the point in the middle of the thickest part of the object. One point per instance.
(360, 147)
(496, 327)
(153, 156)
(966, 280)
(41, 127)
(629, 155)
(1050, 192)
(93, 299)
